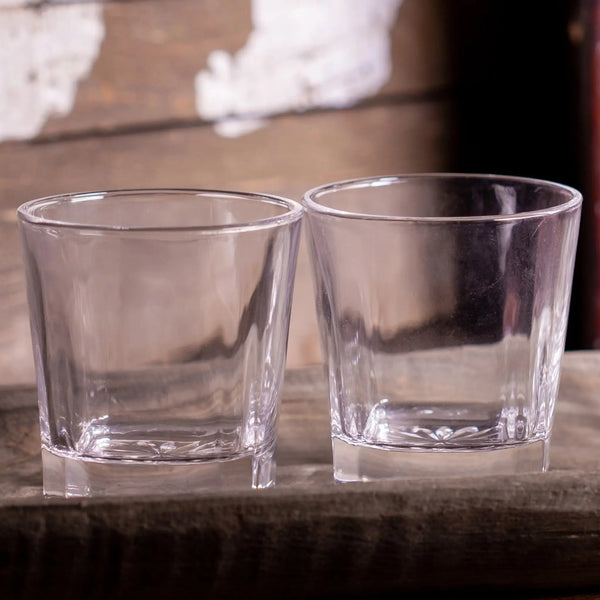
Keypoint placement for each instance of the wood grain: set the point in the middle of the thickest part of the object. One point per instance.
(527, 535)
(150, 56)
(290, 155)
(134, 124)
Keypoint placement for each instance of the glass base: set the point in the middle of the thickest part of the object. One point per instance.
(68, 476)
(365, 463)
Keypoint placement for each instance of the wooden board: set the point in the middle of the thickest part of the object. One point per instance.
(291, 154)
(525, 535)
(148, 60)
(134, 124)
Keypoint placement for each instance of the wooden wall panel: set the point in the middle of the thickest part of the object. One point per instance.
(148, 60)
(289, 155)
(150, 56)
(134, 124)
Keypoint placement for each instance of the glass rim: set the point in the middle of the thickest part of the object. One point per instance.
(294, 210)
(311, 204)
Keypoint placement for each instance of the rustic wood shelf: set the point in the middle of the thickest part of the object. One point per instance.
(308, 537)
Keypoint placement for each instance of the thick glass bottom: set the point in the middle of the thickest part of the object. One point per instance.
(367, 463)
(71, 476)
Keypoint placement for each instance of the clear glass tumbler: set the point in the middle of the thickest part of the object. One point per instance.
(159, 321)
(442, 302)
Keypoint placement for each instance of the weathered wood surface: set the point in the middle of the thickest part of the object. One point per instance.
(134, 123)
(150, 56)
(526, 535)
(291, 155)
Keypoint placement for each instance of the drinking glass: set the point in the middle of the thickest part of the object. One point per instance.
(442, 302)
(159, 321)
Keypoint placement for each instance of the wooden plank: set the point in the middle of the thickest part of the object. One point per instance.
(151, 54)
(148, 61)
(535, 535)
(290, 155)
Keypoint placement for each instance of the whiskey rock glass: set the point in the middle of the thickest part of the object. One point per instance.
(159, 321)
(442, 302)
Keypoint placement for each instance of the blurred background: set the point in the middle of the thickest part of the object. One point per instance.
(282, 95)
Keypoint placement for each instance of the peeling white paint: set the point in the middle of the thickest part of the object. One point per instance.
(44, 53)
(300, 54)
(231, 128)
(13, 3)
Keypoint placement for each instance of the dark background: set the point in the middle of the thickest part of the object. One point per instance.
(523, 82)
